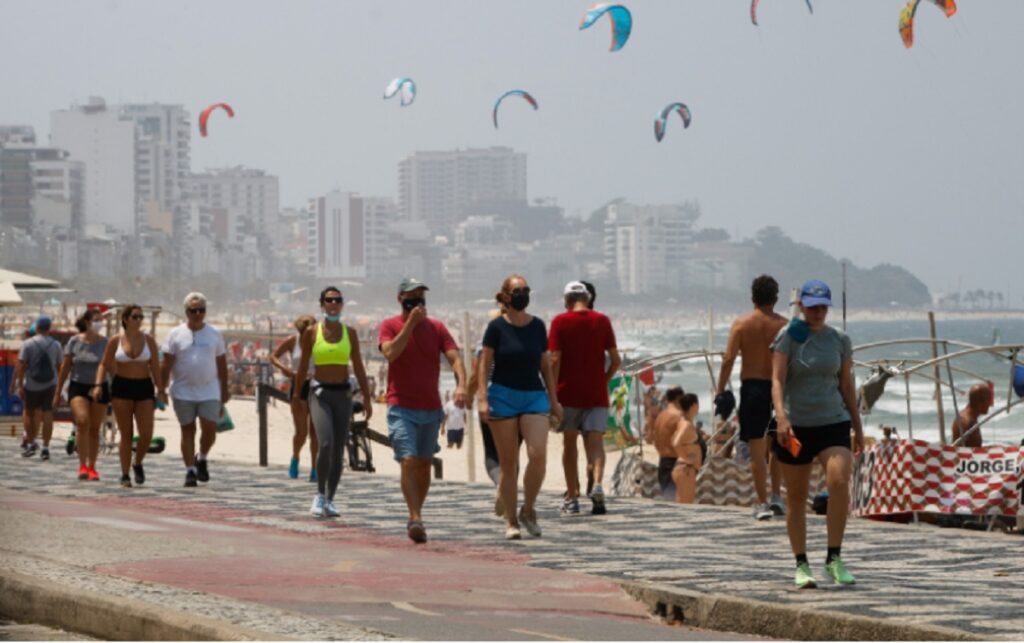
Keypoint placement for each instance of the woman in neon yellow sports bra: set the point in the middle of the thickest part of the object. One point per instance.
(331, 347)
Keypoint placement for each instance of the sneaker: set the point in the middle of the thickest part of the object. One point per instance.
(83, 472)
(571, 507)
(417, 532)
(94, 475)
(512, 533)
(202, 472)
(776, 505)
(499, 507)
(30, 450)
(597, 497)
(293, 469)
(529, 522)
(329, 509)
(762, 511)
(44, 454)
(837, 570)
(317, 508)
(126, 481)
(803, 578)
(140, 474)
(312, 475)
(190, 478)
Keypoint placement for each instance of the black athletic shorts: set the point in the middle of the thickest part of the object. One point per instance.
(814, 440)
(81, 389)
(755, 408)
(40, 400)
(305, 390)
(665, 466)
(136, 389)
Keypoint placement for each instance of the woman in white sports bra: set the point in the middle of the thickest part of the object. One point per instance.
(300, 412)
(133, 357)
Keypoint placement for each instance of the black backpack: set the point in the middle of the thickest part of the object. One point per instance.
(41, 368)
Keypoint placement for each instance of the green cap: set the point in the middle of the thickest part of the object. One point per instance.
(409, 284)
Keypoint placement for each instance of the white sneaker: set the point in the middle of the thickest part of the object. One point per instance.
(329, 510)
(762, 511)
(513, 533)
(775, 504)
(318, 506)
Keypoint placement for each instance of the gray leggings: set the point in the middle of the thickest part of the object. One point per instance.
(331, 410)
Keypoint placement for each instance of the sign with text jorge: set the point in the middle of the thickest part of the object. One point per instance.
(900, 477)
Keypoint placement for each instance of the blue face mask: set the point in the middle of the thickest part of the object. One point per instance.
(332, 318)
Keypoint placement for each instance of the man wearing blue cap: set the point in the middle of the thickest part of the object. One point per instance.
(35, 380)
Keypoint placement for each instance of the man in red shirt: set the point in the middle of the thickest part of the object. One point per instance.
(413, 343)
(578, 340)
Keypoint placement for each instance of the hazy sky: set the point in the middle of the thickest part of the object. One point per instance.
(824, 125)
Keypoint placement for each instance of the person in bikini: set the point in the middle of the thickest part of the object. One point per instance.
(665, 426)
(690, 450)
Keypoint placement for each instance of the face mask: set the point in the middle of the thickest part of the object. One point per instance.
(520, 301)
(332, 318)
(97, 327)
(409, 304)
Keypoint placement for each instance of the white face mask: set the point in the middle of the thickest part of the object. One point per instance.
(97, 326)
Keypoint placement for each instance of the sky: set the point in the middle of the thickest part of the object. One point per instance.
(821, 124)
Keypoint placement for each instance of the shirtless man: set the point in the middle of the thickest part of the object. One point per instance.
(979, 401)
(751, 335)
(665, 426)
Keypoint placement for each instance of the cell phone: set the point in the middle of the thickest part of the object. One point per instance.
(793, 446)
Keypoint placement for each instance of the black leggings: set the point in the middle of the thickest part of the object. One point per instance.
(331, 410)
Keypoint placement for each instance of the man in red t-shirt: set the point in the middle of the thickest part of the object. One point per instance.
(413, 344)
(578, 341)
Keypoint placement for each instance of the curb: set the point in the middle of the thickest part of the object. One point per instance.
(40, 601)
(745, 616)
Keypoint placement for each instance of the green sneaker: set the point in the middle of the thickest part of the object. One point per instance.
(837, 570)
(804, 579)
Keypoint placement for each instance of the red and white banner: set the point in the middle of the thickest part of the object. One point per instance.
(901, 477)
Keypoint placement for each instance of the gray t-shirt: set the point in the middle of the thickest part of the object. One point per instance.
(812, 396)
(35, 347)
(85, 359)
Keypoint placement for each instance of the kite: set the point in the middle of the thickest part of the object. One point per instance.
(910, 10)
(205, 115)
(404, 86)
(620, 18)
(753, 10)
(662, 120)
(514, 92)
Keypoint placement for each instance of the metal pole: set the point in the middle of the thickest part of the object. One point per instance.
(261, 406)
(938, 375)
(844, 296)
(467, 361)
(910, 416)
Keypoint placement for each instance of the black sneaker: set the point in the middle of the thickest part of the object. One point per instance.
(190, 479)
(30, 450)
(126, 481)
(44, 454)
(597, 497)
(201, 471)
(140, 474)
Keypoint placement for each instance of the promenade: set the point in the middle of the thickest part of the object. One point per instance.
(241, 558)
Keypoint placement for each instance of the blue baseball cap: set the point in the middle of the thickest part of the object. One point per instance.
(815, 293)
(43, 323)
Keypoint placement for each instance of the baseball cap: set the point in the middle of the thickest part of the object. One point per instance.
(43, 323)
(410, 283)
(576, 288)
(815, 293)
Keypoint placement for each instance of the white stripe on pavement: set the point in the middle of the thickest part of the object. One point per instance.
(121, 524)
(195, 524)
(409, 607)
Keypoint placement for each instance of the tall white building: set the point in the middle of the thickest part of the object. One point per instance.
(646, 247)
(162, 156)
(251, 198)
(58, 185)
(438, 187)
(351, 236)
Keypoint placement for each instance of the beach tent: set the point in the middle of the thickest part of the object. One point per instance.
(9, 294)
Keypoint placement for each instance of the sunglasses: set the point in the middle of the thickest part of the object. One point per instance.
(525, 290)
(137, 317)
(333, 300)
(196, 311)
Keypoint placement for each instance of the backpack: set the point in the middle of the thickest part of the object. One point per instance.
(41, 369)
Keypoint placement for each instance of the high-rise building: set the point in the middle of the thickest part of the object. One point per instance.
(251, 198)
(17, 135)
(350, 236)
(437, 187)
(646, 247)
(162, 158)
(38, 185)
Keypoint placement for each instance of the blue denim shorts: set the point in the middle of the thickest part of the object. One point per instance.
(508, 402)
(414, 432)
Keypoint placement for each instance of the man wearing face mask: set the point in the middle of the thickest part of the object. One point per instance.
(412, 343)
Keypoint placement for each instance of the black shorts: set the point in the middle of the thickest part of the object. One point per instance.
(755, 408)
(814, 440)
(305, 390)
(665, 466)
(40, 400)
(81, 389)
(138, 390)
(455, 436)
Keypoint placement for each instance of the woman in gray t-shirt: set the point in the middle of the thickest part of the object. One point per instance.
(82, 357)
(815, 408)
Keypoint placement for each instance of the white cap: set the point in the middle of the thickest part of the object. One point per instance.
(576, 288)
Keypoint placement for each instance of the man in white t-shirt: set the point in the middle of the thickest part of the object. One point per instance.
(195, 361)
(454, 422)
